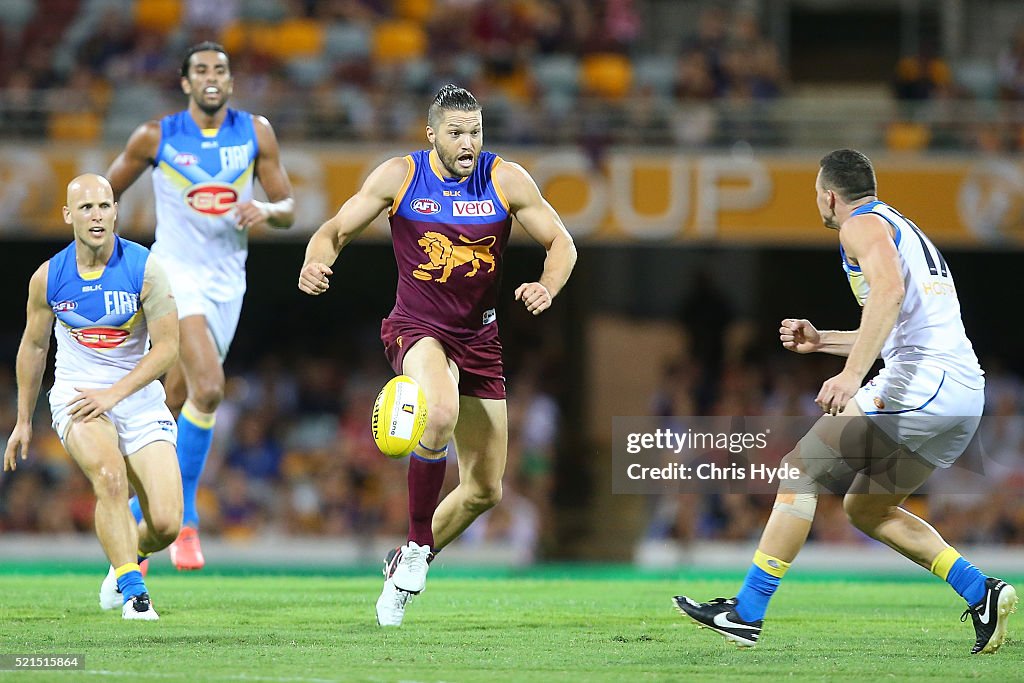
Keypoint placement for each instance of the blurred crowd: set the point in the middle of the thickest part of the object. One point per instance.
(929, 91)
(365, 69)
(547, 70)
(591, 72)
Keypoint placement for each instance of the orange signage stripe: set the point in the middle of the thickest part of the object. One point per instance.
(634, 197)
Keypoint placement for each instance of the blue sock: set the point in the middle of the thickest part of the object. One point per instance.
(967, 580)
(136, 509)
(129, 581)
(194, 439)
(757, 590)
(764, 577)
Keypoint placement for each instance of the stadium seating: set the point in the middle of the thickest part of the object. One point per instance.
(657, 72)
(398, 41)
(557, 74)
(607, 74)
(414, 10)
(907, 136)
(346, 42)
(160, 16)
(306, 71)
(297, 38)
(263, 11)
(15, 18)
(74, 127)
(258, 37)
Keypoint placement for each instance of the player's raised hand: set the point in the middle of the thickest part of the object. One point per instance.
(799, 336)
(20, 437)
(314, 278)
(535, 296)
(251, 214)
(90, 403)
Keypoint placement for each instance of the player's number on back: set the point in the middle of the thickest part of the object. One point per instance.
(932, 256)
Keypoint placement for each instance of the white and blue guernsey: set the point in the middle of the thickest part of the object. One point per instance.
(100, 328)
(199, 177)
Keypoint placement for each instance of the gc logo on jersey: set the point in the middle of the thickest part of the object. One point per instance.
(425, 206)
(212, 199)
(100, 337)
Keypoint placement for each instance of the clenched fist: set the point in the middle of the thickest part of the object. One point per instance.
(314, 278)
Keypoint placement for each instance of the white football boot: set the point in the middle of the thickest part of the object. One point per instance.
(110, 596)
(139, 607)
(391, 605)
(411, 573)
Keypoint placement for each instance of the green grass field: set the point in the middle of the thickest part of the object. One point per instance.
(554, 625)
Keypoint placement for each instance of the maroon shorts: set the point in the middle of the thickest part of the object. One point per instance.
(478, 358)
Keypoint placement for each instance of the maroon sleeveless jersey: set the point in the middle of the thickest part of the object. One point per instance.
(449, 236)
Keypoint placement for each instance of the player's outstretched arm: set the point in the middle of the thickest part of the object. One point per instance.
(35, 343)
(279, 210)
(541, 222)
(838, 342)
(377, 193)
(162, 321)
(139, 154)
(801, 336)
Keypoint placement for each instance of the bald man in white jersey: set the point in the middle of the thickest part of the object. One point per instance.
(879, 442)
(205, 162)
(105, 300)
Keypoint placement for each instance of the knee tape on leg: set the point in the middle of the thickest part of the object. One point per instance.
(821, 465)
(802, 485)
(803, 506)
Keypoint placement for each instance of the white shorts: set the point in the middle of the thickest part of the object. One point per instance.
(140, 419)
(925, 409)
(221, 316)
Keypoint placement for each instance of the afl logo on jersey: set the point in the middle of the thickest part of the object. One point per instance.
(65, 306)
(425, 206)
(185, 159)
(212, 199)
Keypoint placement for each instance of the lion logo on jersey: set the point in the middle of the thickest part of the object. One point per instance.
(446, 256)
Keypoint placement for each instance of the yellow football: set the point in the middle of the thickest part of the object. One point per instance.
(399, 417)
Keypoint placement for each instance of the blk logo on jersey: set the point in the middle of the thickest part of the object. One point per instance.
(478, 208)
(425, 206)
(445, 256)
(212, 199)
